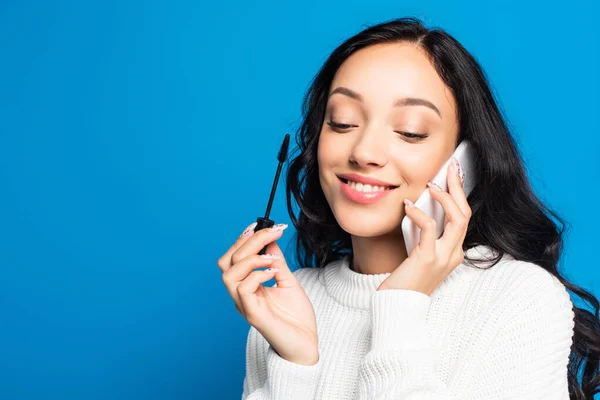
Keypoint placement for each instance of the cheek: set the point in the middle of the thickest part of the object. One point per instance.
(326, 150)
(323, 156)
(320, 150)
(417, 166)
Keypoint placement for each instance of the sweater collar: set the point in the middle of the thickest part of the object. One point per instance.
(350, 288)
(354, 290)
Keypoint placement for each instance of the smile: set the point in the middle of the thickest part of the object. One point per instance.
(364, 194)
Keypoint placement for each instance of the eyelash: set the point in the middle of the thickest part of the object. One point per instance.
(408, 135)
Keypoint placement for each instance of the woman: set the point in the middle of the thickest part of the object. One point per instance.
(480, 313)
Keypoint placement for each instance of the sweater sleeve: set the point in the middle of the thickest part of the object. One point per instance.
(517, 349)
(271, 377)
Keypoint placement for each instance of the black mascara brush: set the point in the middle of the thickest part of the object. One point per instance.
(265, 222)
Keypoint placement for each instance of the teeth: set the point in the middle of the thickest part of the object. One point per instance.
(359, 187)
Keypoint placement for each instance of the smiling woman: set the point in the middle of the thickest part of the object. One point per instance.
(397, 113)
(384, 113)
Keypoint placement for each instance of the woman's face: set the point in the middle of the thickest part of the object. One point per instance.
(383, 93)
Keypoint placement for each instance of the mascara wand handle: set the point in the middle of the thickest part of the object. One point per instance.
(273, 189)
(262, 223)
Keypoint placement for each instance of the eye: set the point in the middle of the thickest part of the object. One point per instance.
(413, 136)
(337, 126)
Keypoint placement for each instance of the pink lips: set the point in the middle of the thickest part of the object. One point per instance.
(362, 197)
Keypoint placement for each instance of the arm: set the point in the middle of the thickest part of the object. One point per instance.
(518, 348)
(269, 376)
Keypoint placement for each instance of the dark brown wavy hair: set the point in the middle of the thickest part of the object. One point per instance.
(506, 214)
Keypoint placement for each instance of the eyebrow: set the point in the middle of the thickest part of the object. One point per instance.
(405, 101)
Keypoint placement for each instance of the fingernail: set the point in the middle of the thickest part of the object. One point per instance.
(409, 203)
(278, 227)
(249, 229)
(434, 186)
(459, 170)
(272, 269)
(270, 256)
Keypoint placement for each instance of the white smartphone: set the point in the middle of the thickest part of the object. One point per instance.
(465, 155)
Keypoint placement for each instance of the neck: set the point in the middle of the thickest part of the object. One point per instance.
(377, 255)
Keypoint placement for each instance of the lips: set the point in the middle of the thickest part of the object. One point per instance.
(365, 180)
(360, 196)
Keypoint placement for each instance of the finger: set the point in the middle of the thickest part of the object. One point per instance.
(456, 190)
(284, 278)
(247, 292)
(257, 241)
(457, 221)
(224, 262)
(459, 255)
(459, 246)
(235, 275)
(455, 181)
(426, 224)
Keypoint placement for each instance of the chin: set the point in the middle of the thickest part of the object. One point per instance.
(365, 224)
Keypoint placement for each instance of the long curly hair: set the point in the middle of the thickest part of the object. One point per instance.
(506, 214)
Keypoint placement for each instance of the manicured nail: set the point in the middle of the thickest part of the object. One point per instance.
(270, 256)
(409, 203)
(434, 186)
(272, 270)
(459, 170)
(278, 227)
(249, 229)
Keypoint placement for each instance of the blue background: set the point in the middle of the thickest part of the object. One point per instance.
(138, 139)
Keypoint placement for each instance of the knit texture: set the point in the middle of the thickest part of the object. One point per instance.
(501, 333)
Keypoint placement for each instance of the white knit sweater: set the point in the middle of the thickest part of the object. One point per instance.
(501, 333)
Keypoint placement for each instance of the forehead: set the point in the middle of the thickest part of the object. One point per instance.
(383, 73)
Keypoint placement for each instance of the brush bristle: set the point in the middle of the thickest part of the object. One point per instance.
(282, 156)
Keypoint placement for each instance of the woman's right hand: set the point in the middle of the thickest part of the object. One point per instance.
(284, 314)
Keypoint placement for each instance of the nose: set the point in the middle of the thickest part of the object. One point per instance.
(369, 149)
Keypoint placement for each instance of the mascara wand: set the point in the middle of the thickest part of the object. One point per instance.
(265, 222)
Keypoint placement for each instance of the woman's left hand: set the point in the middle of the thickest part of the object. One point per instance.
(432, 260)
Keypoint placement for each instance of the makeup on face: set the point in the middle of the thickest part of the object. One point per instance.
(412, 123)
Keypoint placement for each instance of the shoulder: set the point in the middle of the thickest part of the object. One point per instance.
(525, 280)
(533, 312)
(516, 277)
(513, 304)
(518, 288)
